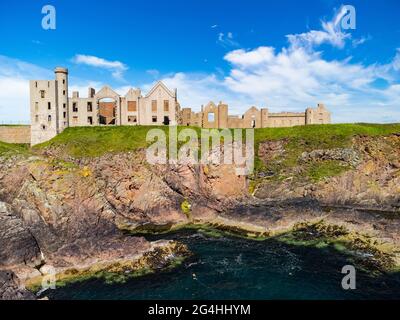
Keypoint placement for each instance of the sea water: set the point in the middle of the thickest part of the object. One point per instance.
(234, 268)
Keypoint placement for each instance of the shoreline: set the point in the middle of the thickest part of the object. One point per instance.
(367, 251)
(68, 211)
(162, 255)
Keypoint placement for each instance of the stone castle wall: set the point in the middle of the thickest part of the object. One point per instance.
(15, 134)
(217, 117)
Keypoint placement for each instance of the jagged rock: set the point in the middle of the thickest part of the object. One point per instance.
(272, 149)
(347, 155)
(10, 288)
(73, 213)
(16, 241)
(371, 180)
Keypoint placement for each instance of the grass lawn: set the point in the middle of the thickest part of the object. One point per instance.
(13, 148)
(95, 141)
(312, 137)
(326, 136)
(89, 142)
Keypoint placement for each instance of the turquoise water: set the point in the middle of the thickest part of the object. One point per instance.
(232, 268)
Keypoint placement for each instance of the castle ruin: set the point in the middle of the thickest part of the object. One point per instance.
(52, 110)
(217, 117)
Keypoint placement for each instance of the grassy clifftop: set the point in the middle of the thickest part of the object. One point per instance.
(96, 141)
(326, 136)
(11, 148)
(314, 137)
(82, 142)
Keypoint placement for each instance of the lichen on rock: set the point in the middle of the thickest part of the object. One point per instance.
(161, 256)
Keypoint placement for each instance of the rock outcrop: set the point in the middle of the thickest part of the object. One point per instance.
(68, 213)
(347, 155)
(370, 177)
(11, 289)
(18, 246)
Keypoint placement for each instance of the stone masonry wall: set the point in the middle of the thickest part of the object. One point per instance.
(15, 134)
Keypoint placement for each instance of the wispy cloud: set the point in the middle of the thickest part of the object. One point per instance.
(195, 89)
(153, 72)
(298, 76)
(291, 78)
(14, 83)
(331, 33)
(227, 40)
(396, 61)
(117, 68)
(357, 42)
(295, 77)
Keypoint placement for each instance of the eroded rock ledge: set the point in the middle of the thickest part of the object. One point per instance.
(11, 288)
(71, 213)
(161, 256)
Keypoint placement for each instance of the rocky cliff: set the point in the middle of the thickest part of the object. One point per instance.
(73, 213)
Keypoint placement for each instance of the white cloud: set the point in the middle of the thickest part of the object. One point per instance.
(263, 70)
(10, 67)
(360, 41)
(331, 33)
(298, 76)
(14, 84)
(116, 67)
(396, 61)
(295, 78)
(291, 79)
(14, 101)
(256, 57)
(193, 89)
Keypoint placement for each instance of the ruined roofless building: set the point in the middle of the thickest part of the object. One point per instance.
(217, 117)
(52, 110)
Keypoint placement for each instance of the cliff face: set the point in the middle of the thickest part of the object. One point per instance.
(10, 287)
(367, 176)
(65, 212)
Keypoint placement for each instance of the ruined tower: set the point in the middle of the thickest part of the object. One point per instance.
(62, 98)
(49, 106)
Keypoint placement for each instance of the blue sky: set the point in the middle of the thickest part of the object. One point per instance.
(284, 55)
